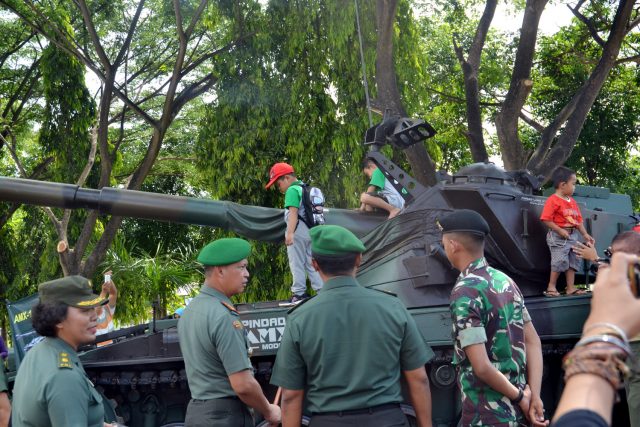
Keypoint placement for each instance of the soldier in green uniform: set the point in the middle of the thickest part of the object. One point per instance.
(497, 350)
(52, 388)
(214, 345)
(348, 347)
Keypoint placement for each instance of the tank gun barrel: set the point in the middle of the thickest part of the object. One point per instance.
(252, 222)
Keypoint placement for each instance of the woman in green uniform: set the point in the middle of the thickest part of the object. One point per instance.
(52, 388)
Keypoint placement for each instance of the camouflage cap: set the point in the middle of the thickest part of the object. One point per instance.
(74, 291)
(224, 251)
(464, 221)
(334, 240)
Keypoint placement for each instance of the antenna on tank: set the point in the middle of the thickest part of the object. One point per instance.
(364, 67)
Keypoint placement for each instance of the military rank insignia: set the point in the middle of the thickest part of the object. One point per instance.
(229, 307)
(237, 324)
(63, 360)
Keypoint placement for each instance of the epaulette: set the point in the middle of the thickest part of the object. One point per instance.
(63, 360)
(229, 307)
(384, 292)
(304, 301)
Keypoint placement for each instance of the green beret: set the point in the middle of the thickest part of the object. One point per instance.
(464, 221)
(224, 251)
(334, 240)
(72, 290)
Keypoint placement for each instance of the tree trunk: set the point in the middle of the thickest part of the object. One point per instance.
(513, 154)
(422, 166)
(470, 67)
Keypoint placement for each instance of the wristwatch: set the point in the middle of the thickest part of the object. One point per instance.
(518, 398)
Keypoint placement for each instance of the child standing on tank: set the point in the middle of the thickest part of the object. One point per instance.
(380, 194)
(562, 215)
(296, 235)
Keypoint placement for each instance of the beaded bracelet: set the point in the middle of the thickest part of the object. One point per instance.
(604, 361)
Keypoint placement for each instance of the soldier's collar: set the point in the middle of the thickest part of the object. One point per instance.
(207, 290)
(339, 282)
(60, 345)
(475, 265)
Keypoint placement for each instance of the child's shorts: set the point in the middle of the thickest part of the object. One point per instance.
(562, 255)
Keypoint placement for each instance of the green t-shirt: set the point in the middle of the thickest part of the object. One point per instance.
(213, 344)
(378, 179)
(293, 195)
(347, 347)
(293, 198)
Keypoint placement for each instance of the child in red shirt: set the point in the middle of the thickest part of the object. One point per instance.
(562, 215)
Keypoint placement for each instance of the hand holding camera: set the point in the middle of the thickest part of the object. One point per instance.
(614, 301)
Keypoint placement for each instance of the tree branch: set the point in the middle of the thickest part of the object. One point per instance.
(587, 22)
(127, 41)
(528, 120)
(91, 29)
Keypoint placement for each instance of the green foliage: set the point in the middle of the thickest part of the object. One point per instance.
(143, 278)
(608, 144)
(68, 116)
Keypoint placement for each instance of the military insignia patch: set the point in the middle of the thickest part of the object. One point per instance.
(229, 307)
(63, 360)
(237, 324)
(439, 225)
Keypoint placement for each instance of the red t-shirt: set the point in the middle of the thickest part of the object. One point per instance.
(562, 212)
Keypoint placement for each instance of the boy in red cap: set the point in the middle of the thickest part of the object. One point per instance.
(297, 234)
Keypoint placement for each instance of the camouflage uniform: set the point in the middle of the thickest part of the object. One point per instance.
(487, 307)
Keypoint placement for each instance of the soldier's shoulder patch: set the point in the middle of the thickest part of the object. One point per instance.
(237, 324)
(64, 361)
(229, 307)
(385, 292)
(300, 304)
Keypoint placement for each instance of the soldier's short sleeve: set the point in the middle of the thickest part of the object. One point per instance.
(68, 398)
(290, 370)
(231, 345)
(415, 352)
(466, 315)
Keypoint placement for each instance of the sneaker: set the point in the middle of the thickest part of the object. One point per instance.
(297, 299)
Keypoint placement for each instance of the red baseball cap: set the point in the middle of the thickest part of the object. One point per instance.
(278, 170)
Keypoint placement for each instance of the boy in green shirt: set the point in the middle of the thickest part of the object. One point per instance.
(381, 193)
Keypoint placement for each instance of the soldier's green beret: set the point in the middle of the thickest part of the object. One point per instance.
(464, 221)
(224, 251)
(334, 240)
(72, 290)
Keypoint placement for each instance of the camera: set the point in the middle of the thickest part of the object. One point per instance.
(634, 278)
(593, 268)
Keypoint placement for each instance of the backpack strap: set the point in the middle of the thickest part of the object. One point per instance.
(308, 218)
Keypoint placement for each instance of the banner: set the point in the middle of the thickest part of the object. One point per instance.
(24, 336)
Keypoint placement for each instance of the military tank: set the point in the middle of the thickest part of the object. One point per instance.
(142, 371)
